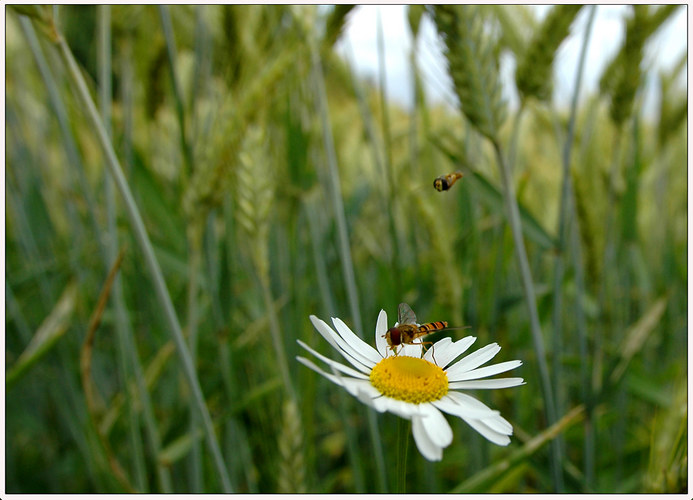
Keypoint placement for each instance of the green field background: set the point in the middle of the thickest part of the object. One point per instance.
(234, 176)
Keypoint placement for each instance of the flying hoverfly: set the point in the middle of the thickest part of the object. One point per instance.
(407, 329)
(445, 182)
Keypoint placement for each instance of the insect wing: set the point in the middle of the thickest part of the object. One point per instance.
(405, 315)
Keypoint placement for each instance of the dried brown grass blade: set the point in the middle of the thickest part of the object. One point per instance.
(88, 383)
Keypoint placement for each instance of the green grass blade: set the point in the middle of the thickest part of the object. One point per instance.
(50, 331)
(179, 448)
(389, 167)
(636, 336)
(171, 52)
(14, 313)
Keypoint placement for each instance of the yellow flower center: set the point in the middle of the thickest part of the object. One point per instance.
(414, 380)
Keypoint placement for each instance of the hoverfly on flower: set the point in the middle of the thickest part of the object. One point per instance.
(407, 330)
(414, 385)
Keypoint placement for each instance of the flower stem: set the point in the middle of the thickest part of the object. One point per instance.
(403, 426)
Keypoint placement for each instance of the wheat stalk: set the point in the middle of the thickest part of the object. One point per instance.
(473, 64)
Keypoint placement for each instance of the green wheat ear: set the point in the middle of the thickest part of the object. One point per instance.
(334, 26)
(667, 471)
(414, 14)
(673, 107)
(628, 82)
(646, 28)
(533, 75)
(292, 467)
(622, 77)
(254, 192)
(473, 65)
(515, 23)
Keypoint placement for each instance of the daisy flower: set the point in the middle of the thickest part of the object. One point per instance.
(418, 388)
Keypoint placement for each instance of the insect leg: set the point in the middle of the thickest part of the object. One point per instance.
(424, 349)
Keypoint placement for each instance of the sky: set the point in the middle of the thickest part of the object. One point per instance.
(359, 45)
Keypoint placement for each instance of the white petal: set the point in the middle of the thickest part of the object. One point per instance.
(367, 390)
(497, 383)
(488, 433)
(340, 344)
(337, 380)
(334, 364)
(436, 426)
(357, 344)
(370, 396)
(472, 361)
(372, 399)
(450, 353)
(467, 400)
(324, 329)
(430, 451)
(380, 403)
(487, 371)
(462, 409)
(499, 424)
(400, 408)
(380, 331)
(494, 428)
(354, 386)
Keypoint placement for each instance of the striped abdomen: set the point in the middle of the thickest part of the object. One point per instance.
(433, 327)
